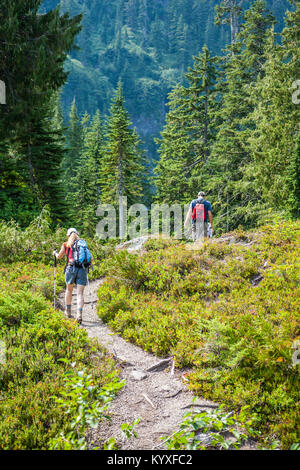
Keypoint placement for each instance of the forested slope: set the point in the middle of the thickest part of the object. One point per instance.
(146, 44)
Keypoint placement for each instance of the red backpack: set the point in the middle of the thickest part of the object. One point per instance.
(199, 211)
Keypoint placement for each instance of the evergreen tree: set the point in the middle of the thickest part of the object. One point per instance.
(75, 136)
(84, 197)
(201, 95)
(277, 119)
(33, 49)
(43, 145)
(143, 173)
(237, 199)
(188, 134)
(229, 12)
(175, 153)
(94, 146)
(121, 166)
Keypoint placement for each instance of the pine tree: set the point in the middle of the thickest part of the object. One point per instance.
(237, 200)
(32, 67)
(143, 173)
(229, 12)
(44, 147)
(32, 64)
(187, 136)
(174, 149)
(94, 146)
(84, 197)
(75, 138)
(201, 94)
(121, 166)
(277, 119)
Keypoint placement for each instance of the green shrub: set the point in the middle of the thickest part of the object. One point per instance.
(85, 404)
(40, 345)
(19, 306)
(229, 312)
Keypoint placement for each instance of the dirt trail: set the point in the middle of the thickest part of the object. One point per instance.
(158, 397)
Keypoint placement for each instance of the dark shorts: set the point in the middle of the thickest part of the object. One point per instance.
(75, 275)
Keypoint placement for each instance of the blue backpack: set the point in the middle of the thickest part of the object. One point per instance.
(81, 254)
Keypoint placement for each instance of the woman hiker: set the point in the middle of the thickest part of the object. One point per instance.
(73, 275)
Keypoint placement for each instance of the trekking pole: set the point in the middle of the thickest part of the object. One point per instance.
(55, 265)
(89, 287)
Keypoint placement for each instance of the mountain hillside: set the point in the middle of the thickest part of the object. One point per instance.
(147, 44)
(226, 312)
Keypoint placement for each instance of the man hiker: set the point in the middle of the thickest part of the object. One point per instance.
(201, 211)
(74, 274)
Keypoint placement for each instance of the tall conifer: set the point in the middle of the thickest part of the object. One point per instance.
(277, 118)
(187, 136)
(237, 200)
(121, 162)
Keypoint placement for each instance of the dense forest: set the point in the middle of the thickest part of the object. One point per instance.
(146, 44)
(222, 132)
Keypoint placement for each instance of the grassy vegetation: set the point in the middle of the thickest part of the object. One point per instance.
(41, 347)
(229, 312)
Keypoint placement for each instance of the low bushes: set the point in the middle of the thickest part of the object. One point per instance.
(229, 312)
(34, 246)
(40, 345)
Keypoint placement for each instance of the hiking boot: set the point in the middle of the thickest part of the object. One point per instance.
(68, 311)
(79, 318)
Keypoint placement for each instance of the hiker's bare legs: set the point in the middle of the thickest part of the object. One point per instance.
(68, 299)
(68, 295)
(80, 302)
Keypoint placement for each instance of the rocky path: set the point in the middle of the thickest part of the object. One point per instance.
(154, 391)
